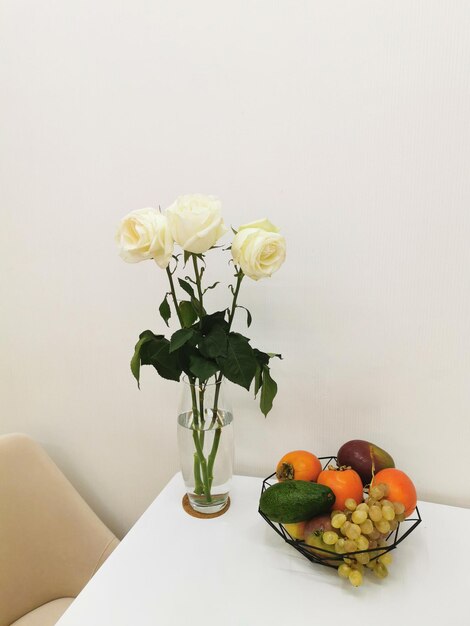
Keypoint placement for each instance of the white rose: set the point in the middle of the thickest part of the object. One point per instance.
(259, 249)
(195, 222)
(144, 234)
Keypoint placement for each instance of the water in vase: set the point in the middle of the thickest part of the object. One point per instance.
(206, 457)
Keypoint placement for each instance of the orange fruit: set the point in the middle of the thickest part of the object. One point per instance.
(400, 485)
(298, 465)
(344, 484)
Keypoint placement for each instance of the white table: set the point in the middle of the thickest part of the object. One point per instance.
(173, 570)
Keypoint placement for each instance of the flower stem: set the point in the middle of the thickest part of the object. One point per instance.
(194, 400)
(203, 464)
(213, 454)
(201, 484)
(215, 410)
(201, 414)
(198, 486)
(173, 295)
(240, 276)
(199, 286)
(201, 478)
(200, 436)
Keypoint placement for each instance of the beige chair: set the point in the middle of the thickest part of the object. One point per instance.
(51, 542)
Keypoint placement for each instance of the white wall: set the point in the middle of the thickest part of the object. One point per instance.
(347, 123)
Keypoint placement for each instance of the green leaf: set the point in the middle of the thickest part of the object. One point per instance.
(179, 338)
(248, 315)
(165, 310)
(202, 368)
(183, 354)
(214, 344)
(272, 355)
(214, 319)
(146, 346)
(188, 314)
(200, 312)
(186, 287)
(240, 364)
(144, 338)
(186, 256)
(258, 379)
(268, 392)
(261, 357)
(196, 338)
(212, 286)
(157, 353)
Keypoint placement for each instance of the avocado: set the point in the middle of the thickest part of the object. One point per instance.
(294, 501)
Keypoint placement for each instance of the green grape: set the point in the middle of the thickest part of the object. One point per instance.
(383, 526)
(367, 527)
(370, 564)
(353, 531)
(374, 535)
(350, 545)
(372, 544)
(363, 558)
(339, 546)
(362, 543)
(385, 559)
(380, 570)
(338, 520)
(362, 507)
(360, 516)
(355, 578)
(350, 504)
(401, 517)
(344, 527)
(375, 513)
(382, 543)
(388, 513)
(371, 501)
(399, 508)
(330, 537)
(376, 492)
(344, 570)
(393, 524)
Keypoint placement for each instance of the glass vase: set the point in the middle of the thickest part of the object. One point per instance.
(205, 443)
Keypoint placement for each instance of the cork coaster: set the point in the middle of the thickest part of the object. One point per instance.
(190, 511)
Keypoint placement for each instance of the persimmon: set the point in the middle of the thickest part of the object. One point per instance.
(298, 465)
(400, 487)
(344, 483)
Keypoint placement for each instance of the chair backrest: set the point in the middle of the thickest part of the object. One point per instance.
(51, 542)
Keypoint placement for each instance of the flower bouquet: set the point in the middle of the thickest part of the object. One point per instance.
(204, 350)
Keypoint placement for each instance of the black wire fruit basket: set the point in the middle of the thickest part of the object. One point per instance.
(330, 558)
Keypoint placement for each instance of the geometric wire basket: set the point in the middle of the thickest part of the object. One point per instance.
(330, 558)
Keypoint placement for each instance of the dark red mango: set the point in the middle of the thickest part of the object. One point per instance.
(364, 457)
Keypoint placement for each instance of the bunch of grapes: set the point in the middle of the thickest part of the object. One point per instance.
(364, 526)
